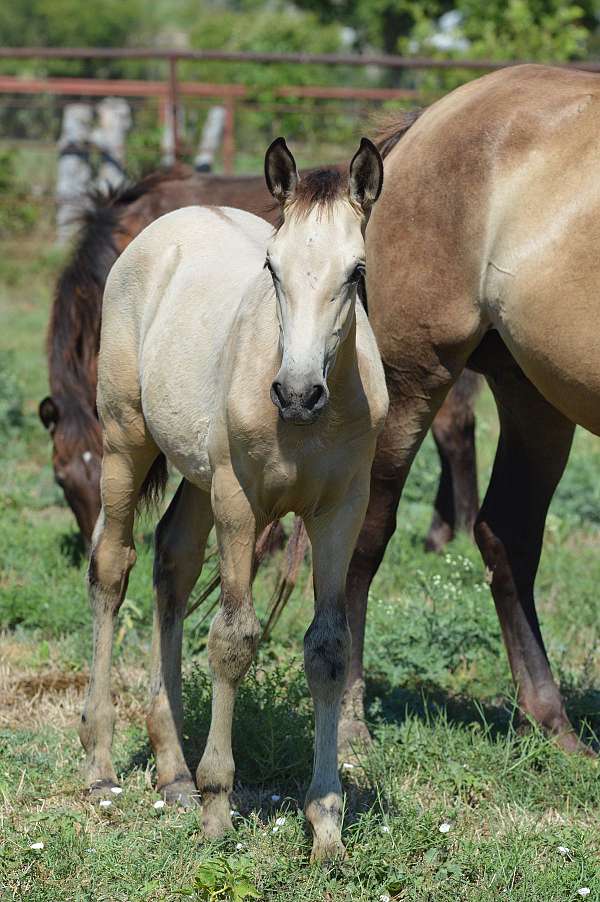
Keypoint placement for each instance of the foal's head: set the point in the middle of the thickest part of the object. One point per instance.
(317, 259)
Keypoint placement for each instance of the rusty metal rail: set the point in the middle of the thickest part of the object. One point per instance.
(387, 61)
(170, 90)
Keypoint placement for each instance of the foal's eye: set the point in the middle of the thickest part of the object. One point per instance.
(358, 273)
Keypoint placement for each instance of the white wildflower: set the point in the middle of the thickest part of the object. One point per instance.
(116, 790)
(239, 847)
(385, 829)
(90, 850)
(275, 830)
(160, 803)
(280, 821)
(563, 850)
(445, 827)
(347, 766)
(105, 803)
(584, 891)
(38, 846)
(384, 898)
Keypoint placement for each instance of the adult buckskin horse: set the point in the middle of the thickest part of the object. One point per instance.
(484, 250)
(74, 334)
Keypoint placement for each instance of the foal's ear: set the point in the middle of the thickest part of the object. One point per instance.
(366, 175)
(281, 173)
(48, 411)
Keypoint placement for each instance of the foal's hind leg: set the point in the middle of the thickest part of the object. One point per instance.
(180, 541)
(232, 643)
(124, 468)
(326, 656)
(535, 440)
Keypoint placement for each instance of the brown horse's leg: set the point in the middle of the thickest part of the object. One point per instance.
(457, 500)
(232, 643)
(378, 529)
(533, 449)
(112, 558)
(181, 538)
(409, 418)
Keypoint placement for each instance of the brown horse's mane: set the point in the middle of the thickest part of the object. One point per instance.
(74, 329)
(391, 130)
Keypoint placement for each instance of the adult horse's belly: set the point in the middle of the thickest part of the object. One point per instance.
(551, 325)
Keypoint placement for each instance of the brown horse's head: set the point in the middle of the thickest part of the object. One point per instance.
(76, 458)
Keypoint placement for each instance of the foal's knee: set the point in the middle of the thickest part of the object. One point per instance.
(109, 570)
(327, 653)
(233, 640)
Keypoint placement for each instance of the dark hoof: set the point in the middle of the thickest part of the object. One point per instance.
(438, 537)
(570, 743)
(103, 789)
(182, 793)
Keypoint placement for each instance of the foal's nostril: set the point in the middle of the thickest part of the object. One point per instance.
(315, 396)
(280, 398)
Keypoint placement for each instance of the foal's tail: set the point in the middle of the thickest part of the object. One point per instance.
(154, 485)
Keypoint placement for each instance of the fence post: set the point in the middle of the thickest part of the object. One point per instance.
(170, 139)
(212, 135)
(74, 172)
(109, 136)
(229, 137)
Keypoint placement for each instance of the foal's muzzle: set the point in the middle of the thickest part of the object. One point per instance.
(300, 405)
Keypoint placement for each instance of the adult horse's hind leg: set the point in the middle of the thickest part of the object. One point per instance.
(457, 501)
(533, 449)
(124, 468)
(180, 542)
(232, 643)
(326, 657)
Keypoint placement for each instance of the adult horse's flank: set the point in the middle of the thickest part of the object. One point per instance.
(69, 413)
(484, 250)
(198, 330)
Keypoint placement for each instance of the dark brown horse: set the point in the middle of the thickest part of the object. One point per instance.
(69, 413)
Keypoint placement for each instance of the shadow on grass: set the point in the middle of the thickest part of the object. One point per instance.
(273, 731)
(395, 704)
(72, 547)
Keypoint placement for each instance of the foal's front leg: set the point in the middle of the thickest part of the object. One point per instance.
(326, 656)
(232, 643)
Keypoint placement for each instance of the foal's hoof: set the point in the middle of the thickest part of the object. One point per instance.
(214, 827)
(182, 793)
(327, 852)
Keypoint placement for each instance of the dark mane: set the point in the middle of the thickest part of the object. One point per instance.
(74, 329)
(392, 130)
(318, 187)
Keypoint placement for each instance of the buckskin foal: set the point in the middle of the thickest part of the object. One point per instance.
(262, 382)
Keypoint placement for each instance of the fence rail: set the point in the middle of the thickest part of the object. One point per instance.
(171, 89)
(388, 61)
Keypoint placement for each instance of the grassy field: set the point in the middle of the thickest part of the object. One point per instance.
(522, 820)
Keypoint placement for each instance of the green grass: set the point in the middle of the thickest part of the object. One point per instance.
(440, 700)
